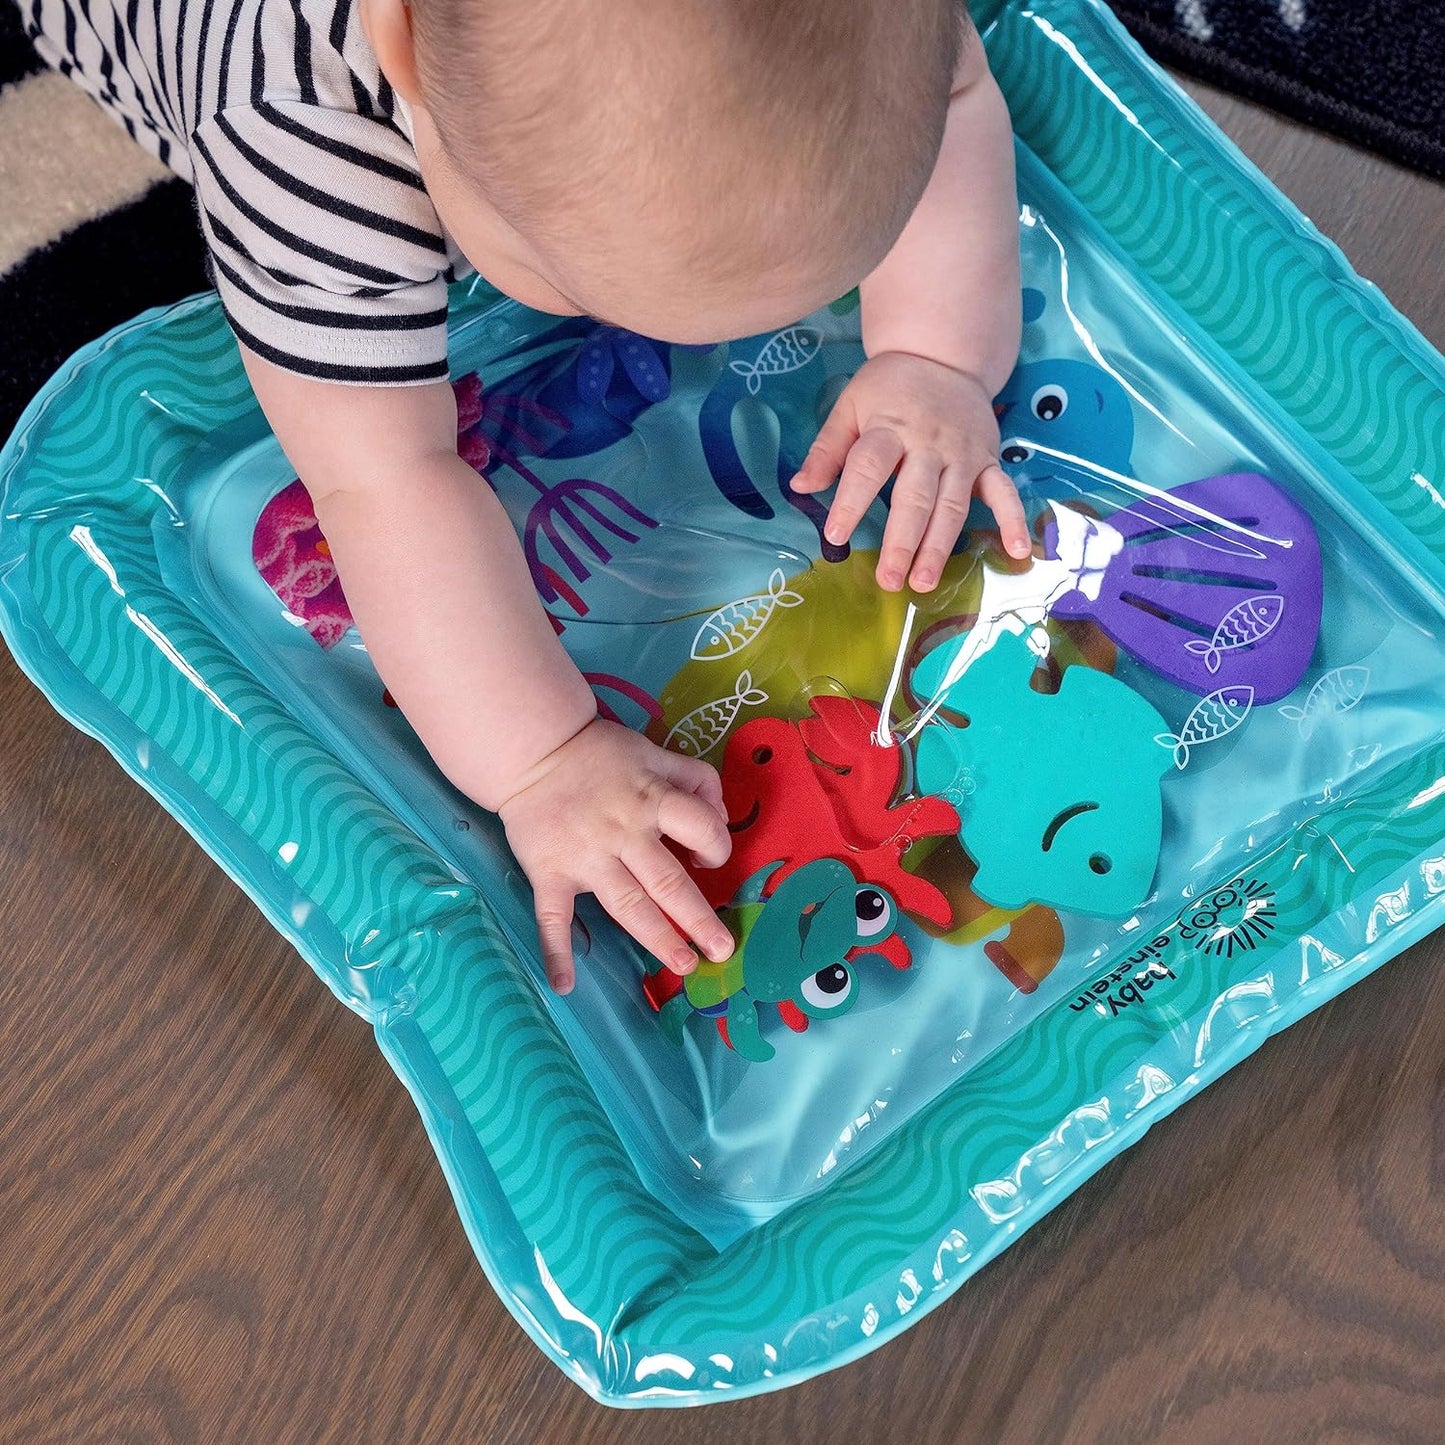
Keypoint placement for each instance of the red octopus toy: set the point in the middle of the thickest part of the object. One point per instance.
(822, 787)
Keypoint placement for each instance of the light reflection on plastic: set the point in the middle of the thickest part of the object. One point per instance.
(1428, 487)
(1097, 81)
(723, 1362)
(998, 1198)
(883, 734)
(910, 1294)
(159, 492)
(954, 1243)
(1389, 909)
(1330, 839)
(569, 1311)
(650, 1365)
(1086, 338)
(287, 852)
(1312, 951)
(1428, 795)
(1158, 494)
(1081, 1130)
(1020, 602)
(849, 1133)
(1153, 1083)
(82, 537)
(1432, 874)
(1248, 989)
(160, 406)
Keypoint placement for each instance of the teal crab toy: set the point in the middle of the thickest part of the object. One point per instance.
(795, 950)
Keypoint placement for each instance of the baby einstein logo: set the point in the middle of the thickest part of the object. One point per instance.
(1233, 919)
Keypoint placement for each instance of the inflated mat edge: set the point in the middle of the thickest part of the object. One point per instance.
(1220, 243)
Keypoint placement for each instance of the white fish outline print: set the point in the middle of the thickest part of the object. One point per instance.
(784, 351)
(1213, 717)
(1340, 689)
(705, 727)
(1246, 624)
(733, 626)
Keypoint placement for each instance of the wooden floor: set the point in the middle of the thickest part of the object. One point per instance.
(220, 1219)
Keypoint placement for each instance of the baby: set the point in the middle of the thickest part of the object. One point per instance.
(694, 170)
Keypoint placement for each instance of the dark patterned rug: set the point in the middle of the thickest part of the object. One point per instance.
(91, 231)
(1372, 71)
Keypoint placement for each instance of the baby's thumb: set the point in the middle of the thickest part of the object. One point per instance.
(553, 905)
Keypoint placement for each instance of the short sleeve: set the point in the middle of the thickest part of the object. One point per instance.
(327, 252)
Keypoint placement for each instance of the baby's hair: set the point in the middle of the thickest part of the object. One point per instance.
(799, 122)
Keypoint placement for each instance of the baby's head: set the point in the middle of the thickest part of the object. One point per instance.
(690, 169)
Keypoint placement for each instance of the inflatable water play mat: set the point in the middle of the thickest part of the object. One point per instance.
(1018, 865)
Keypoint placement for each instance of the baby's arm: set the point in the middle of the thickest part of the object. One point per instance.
(441, 595)
(941, 317)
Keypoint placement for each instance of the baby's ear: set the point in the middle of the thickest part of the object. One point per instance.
(387, 25)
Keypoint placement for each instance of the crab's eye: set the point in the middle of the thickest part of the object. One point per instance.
(829, 988)
(1014, 455)
(874, 912)
(1049, 403)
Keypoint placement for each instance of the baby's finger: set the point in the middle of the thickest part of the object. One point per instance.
(693, 775)
(679, 898)
(870, 463)
(621, 893)
(829, 451)
(910, 512)
(998, 493)
(552, 903)
(950, 513)
(700, 827)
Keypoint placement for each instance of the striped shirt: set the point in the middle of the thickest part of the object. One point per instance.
(324, 245)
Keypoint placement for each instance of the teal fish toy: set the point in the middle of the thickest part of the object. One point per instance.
(1059, 793)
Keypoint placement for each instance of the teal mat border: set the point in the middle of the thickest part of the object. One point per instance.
(630, 1302)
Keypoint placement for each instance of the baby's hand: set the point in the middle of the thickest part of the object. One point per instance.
(936, 427)
(591, 819)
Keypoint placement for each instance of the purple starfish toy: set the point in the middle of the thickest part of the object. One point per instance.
(1216, 583)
